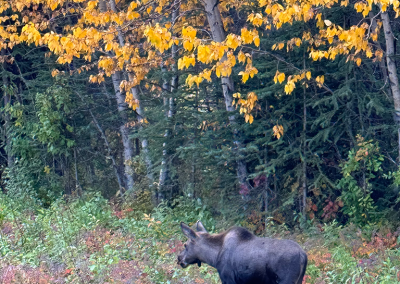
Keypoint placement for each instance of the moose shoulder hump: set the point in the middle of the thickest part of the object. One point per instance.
(238, 233)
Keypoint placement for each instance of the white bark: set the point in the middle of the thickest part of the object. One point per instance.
(392, 70)
(124, 130)
(145, 143)
(140, 111)
(218, 34)
(382, 65)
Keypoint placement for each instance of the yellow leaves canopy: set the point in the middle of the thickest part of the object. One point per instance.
(132, 38)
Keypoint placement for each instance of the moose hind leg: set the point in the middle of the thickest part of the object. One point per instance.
(290, 276)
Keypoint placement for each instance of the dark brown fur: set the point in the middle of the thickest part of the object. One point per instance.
(218, 239)
(242, 258)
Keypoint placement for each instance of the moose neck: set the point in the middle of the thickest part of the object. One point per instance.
(212, 247)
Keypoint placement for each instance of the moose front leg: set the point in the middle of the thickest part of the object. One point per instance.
(227, 277)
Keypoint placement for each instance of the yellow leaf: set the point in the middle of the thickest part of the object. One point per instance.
(281, 77)
(251, 119)
(158, 9)
(47, 169)
(187, 45)
(278, 131)
(198, 80)
(108, 46)
(91, 5)
(245, 76)
(247, 36)
(133, 6)
(232, 41)
(54, 73)
(149, 9)
(358, 61)
(308, 75)
(241, 57)
(257, 41)
(289, 87)
(344, 3)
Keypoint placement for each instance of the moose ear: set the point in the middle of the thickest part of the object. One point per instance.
(187, 231)
(200, 227)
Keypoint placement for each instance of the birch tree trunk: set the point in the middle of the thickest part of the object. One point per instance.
(381, 63)
(392, 70)
(117, 78)
(218, 34)
(145, 144)
(139, 110)
(164, 170)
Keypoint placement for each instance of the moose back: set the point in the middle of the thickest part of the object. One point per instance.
(242, 258)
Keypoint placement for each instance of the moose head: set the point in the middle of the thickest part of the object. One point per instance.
(194, 247)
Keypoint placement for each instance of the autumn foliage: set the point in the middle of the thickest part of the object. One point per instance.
(136, 36)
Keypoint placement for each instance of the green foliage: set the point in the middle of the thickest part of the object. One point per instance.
(362, 165)
(345, 268)
(52, 108)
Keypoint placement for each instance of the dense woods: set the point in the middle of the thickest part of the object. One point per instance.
(279, 110)
(263, 112)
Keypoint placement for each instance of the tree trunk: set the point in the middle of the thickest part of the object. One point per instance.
(145, 143)
(218, 35)
(304, 158)
(381, 62)
(392, 70)
(140, 111)
(78, 186)
(164, 170)
(124, 129)
(109, 151)
(169, 107)
(6, 116)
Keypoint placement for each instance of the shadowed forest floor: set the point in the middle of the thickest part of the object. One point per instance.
(91, 241)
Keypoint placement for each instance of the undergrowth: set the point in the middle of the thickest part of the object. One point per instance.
(90, 240)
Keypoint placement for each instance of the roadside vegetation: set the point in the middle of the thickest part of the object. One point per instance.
(92, 240)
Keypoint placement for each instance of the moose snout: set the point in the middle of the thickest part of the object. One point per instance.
(181, 262)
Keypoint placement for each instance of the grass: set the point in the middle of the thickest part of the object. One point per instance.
(89, 240)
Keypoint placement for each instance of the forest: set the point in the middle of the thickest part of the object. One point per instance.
(122, 118)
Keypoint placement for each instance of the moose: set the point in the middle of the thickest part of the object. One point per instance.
(242, 258)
